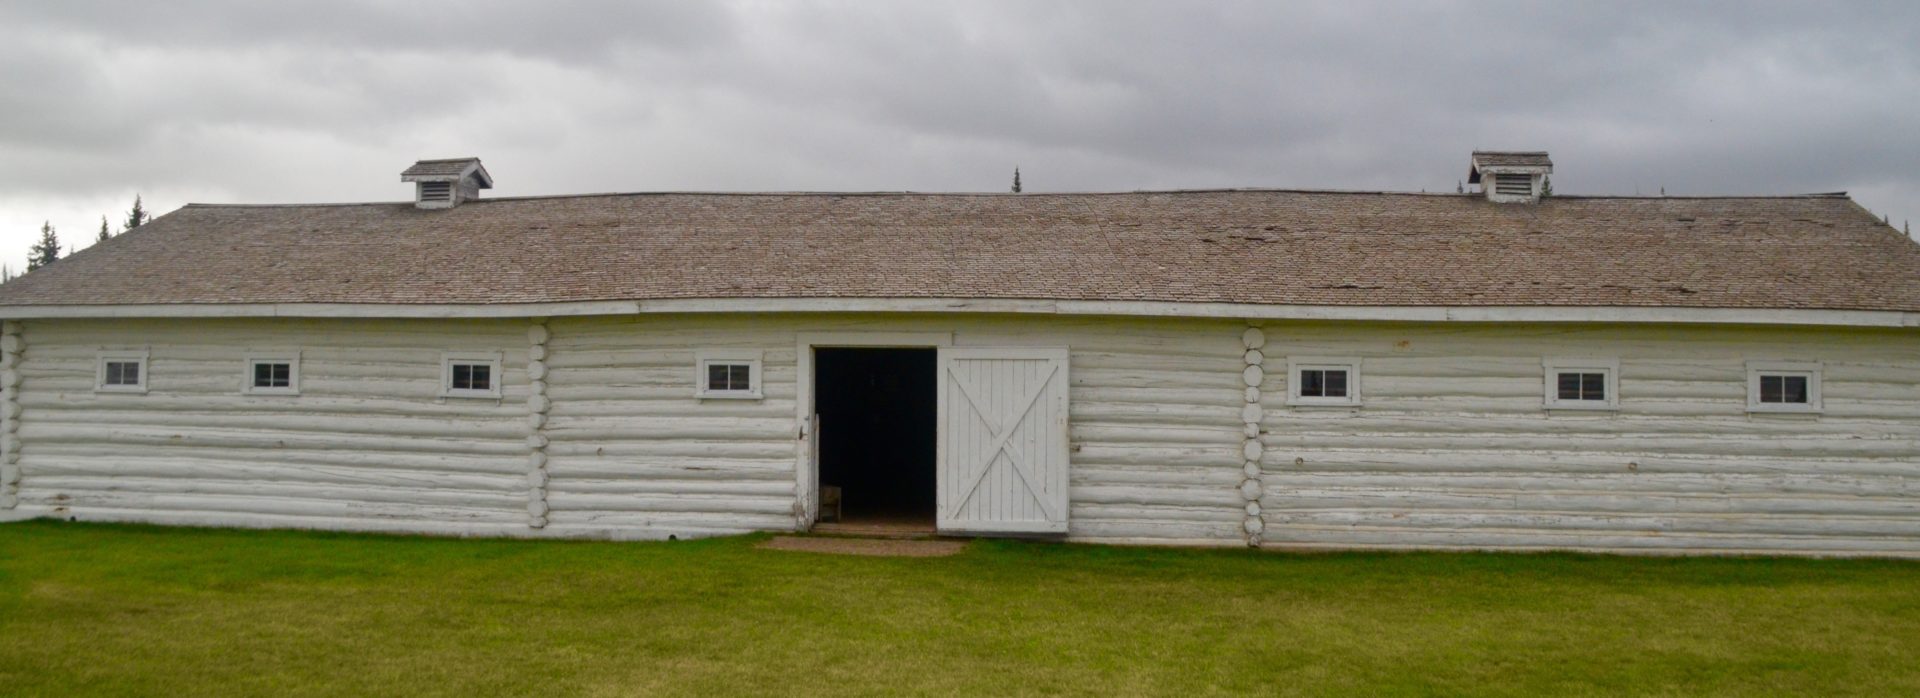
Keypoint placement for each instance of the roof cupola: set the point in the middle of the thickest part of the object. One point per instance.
(1510, 177)
(446, 183)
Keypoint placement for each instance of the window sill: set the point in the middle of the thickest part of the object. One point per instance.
(729, 396)
(1754, 409)
(1565, 407)
(269, 392)
(120, 390)
(473, 395)
(1315, 405)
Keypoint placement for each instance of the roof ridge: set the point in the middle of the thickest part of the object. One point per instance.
(1136, 192)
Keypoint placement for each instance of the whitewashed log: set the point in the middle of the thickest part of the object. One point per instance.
(191, 470)
(87, 455)
(1211, 514)
(570, 501)
(1221, 502)
(81, 490)
(282, 506)
(1250, 490)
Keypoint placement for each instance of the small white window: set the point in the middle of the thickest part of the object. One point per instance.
(470, 375)
(728, 375)
(121, 372)
(1583, 384)
(1323, 381)
(278, 374)
(1783, 387)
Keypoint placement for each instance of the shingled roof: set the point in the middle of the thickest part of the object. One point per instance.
(1240, 246)
(449, 167)
(1485, 158)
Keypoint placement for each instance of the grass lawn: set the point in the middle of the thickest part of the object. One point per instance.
(130, 610)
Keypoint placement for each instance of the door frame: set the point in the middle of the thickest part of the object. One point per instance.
(806, 506)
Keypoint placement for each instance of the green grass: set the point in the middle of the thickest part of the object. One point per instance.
(130, 610)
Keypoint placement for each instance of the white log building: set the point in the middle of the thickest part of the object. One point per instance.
(1283, 369)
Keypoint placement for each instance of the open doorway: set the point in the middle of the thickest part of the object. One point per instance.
(876, 436)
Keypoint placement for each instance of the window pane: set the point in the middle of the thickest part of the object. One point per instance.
(1313, 383)
(1569, 386)
(268, 374)
(462, 377)
(1772, 388)
(123, 373)
(737, 377)
(1593, 386)
(1336, 383)
(1794, 389)
(717, 377)
(482, 377)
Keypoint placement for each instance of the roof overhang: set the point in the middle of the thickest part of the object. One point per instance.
(473, 169)
(1485, 314)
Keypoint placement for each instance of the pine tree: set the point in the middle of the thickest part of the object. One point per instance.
(1016, 180)
(1546, 187)
(46, 251)
(136, 216)
(1459, 187)
(103, 231)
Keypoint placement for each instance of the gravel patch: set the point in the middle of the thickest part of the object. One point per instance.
(866, 546)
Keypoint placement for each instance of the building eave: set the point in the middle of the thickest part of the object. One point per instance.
(1492, 314)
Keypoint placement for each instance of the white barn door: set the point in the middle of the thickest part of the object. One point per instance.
(1002, 463)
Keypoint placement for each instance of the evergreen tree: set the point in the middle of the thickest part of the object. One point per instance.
(1546, 187)
(6, 273)
(1016, 180)
(103, 230)
(136, 216)
(1459, 187)
(46, 251)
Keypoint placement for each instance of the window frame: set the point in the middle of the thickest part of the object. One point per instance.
(140, 357)
(751, 358)
(1554, 366)
(1810, 370)
(476, 358)
(293, 373)
(1296, 364)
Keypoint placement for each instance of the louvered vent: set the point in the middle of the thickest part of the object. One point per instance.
(1513, 184)
(436, 191)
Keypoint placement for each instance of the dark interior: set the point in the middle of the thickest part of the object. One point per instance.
(876, 410)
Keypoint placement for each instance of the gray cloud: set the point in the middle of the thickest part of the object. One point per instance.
(265, 102)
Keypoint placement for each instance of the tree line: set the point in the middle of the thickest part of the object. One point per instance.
(46, 250)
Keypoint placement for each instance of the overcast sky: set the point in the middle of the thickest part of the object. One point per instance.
(271, 102)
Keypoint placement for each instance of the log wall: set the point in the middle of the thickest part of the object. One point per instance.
(367, 444)
(1452, 447)
(1180, 432)
(1154, 416)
